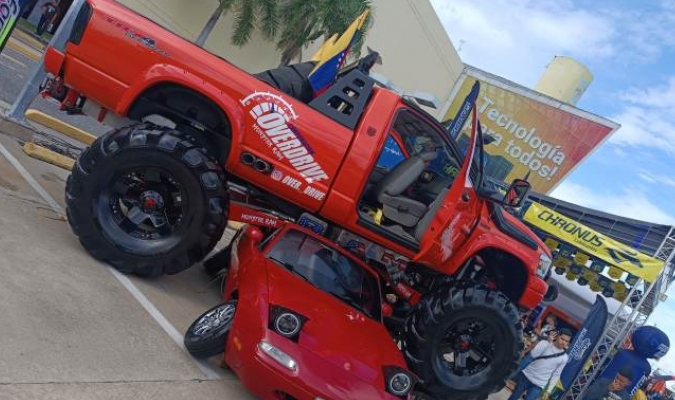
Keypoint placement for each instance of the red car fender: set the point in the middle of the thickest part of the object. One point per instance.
(247, 271)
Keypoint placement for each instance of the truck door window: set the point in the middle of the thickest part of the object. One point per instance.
(415, 166)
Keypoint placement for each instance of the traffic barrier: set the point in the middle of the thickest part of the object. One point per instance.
(60, 126)
(49, 156)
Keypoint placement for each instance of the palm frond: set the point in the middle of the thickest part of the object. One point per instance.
(269, 21)
(226, 5)
(243, 24)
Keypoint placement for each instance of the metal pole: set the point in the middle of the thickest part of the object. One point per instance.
(32, 88)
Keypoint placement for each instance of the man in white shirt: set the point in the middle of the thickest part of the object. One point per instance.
(543, 372)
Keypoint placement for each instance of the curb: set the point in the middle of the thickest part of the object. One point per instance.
(56, 124)
(15, 129)
(23, 48)
(43, 154)
(29, 39)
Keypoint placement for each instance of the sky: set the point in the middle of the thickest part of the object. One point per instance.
(630, 48)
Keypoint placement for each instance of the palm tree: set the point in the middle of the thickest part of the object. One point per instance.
(304, 21)
(248, 14)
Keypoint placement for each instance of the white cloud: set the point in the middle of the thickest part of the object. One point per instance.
(648, 118)
(644, 127)
(661, 96)
(628, 203)
(657, 178)
(517, 39)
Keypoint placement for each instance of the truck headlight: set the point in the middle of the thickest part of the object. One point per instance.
(544, 265)
(279, 356)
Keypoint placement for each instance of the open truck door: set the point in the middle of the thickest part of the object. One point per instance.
(458, 207)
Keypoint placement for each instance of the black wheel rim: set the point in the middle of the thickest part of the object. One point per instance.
(468, 348)
(143, 209)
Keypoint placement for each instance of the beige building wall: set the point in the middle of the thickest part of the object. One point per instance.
(416, 51)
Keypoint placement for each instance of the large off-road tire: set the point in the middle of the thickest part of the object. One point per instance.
(463, 342)
(207, 335)
(291, 79)
(148, 200)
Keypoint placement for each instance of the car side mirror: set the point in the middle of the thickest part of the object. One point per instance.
(387, 310)
(517, 193)
(255, 234)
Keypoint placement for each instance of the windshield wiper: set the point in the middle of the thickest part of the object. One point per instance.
(290, 267)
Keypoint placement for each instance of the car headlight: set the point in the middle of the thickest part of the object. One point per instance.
(279, 356)
(544, 265)
(285, 322)
(398, 381)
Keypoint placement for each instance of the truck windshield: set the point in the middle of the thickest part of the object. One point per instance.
(417, 136)
(328, 270)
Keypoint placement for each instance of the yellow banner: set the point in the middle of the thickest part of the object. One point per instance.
(593, 242)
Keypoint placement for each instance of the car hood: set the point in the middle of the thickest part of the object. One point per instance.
(335, 331)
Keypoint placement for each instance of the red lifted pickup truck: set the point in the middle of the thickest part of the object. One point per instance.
(362, 164)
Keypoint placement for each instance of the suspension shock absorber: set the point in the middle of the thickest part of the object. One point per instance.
(406, 292)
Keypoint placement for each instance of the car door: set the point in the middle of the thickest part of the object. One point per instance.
(454, 214)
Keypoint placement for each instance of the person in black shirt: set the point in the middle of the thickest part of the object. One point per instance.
(616, 388)
(49, 9)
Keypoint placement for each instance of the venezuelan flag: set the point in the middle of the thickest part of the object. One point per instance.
(332, 55)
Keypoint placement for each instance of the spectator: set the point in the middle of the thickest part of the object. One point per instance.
(49, 10)
(538, 379)
(550, 325)
(607, 388)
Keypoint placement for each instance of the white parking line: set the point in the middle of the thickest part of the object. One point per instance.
(207, 370)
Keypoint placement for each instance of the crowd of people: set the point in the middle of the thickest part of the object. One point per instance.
(543, 363)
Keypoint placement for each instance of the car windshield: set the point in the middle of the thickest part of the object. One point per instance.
(328, 270)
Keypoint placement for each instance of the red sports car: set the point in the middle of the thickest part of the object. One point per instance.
(302, 319)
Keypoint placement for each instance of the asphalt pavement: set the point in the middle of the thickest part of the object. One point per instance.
(18, 61)
(72, 327)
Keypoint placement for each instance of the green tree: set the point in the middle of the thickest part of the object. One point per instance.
(304, 21)
(248, 15)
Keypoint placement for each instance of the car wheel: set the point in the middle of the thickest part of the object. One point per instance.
(147, 199)
(207, 335)
(463, 341)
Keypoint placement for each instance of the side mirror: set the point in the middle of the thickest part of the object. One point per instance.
(517, 193)
(255, 234)
(387, 310)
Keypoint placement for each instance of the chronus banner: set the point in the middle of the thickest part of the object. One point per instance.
(584, 341)
(593, 242)
(9, 14)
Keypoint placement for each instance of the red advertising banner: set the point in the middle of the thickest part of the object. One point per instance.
(534, 133)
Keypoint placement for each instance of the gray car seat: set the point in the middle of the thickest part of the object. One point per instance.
(401, 209)
(425, 222)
